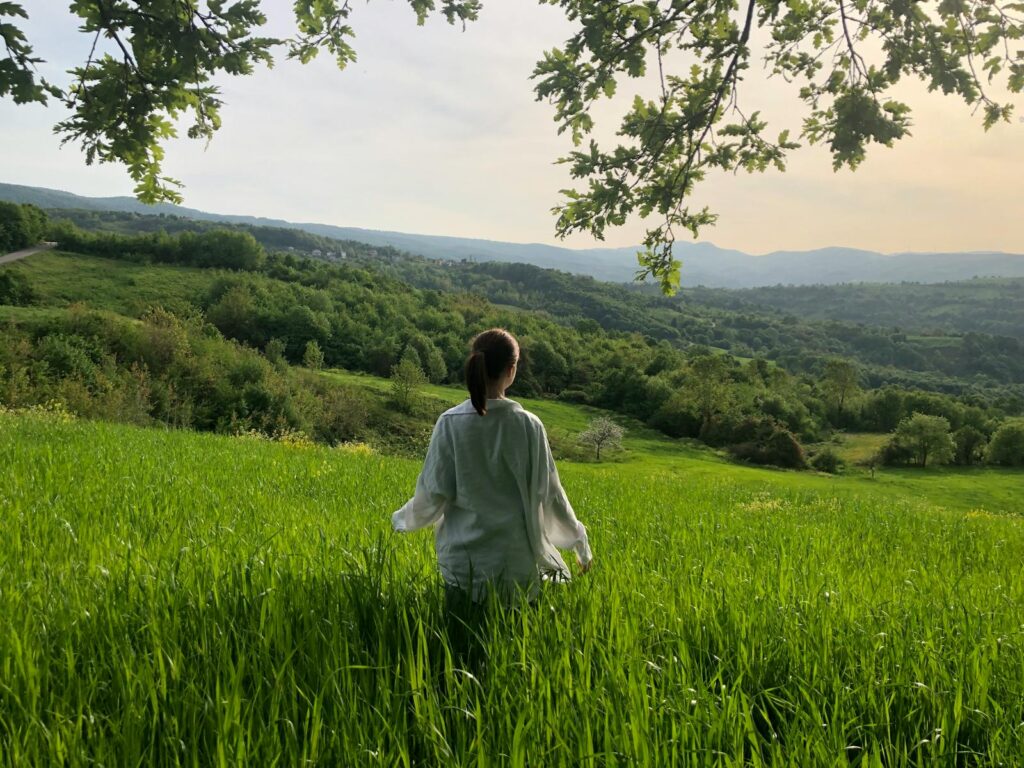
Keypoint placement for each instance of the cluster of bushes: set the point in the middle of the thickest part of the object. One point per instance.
(169, 370)
(827, 460)
(922, 439)
(15, 289)
(21, 226)
(771, 444)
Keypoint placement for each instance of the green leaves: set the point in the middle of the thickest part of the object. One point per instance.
(17, 69)
(695, 123)
(125, 107)
(855, 119)
(667, 142)
(321, 24)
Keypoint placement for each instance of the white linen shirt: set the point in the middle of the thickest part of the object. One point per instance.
(490, 488)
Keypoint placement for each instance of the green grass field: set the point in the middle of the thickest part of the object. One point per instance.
(986, 490)
(119, 286)
(858, 448)
(170, 598)
(173, 598)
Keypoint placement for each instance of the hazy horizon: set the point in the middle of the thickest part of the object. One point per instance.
(597, 245)
(434, 131)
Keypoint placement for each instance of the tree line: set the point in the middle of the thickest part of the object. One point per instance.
(927, 440)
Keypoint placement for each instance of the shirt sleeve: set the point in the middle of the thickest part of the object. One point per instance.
(561, 527)
(435, 487)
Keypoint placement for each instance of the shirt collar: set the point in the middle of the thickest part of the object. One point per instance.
(501, 404)
(466, 406)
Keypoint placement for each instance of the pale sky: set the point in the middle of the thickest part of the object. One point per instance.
(435, 131)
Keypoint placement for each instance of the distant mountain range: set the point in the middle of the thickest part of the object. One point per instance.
(703, 263)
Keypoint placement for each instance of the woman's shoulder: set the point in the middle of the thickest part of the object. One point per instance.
(506, 408)
(527, 416)
(465, 408)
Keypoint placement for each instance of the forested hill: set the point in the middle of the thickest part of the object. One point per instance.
(948, 362)
(202, 329)
(703, 263)
(944, 362)
(994, 306)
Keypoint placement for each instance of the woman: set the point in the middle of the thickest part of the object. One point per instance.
(490, 486)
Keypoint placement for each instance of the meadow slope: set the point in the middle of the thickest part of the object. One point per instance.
(171, 598)
(981, 489)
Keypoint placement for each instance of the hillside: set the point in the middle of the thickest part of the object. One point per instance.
(173, 597)
(946, 362)
(704, 263)
(715, 319)
(991, 306)
(244, 318)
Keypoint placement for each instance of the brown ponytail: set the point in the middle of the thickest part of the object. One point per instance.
(476, 381)
(491, 354)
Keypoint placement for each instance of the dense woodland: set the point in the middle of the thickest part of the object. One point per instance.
(965, 364)
(984, 305)
(225, 348)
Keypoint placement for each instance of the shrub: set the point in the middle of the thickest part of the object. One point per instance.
(574, 396)
(969, 444)
(313, 357)
(1007, 445)
(827, 460)
(925, 437)
(892, 454)
(69, 356)
(779, 448)
(15, 289)
(343, 418)
(676, 418)
(783, 450)
(274, 351)
(406, 379)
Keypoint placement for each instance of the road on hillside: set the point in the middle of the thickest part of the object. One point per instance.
(26, 252)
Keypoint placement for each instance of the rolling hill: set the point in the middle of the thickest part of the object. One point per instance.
(703, 263)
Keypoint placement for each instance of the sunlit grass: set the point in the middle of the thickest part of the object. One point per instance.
(116, 285)
(859, 448)
(171, 598)
(649, 453)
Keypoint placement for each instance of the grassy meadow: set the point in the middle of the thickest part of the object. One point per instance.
(979, 489)
(172, 598)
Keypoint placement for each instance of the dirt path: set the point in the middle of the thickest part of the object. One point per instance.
(26, 252)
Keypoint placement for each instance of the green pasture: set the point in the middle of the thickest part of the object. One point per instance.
(858, 448)
(120, 286)
(171, 598)
(649, 453)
